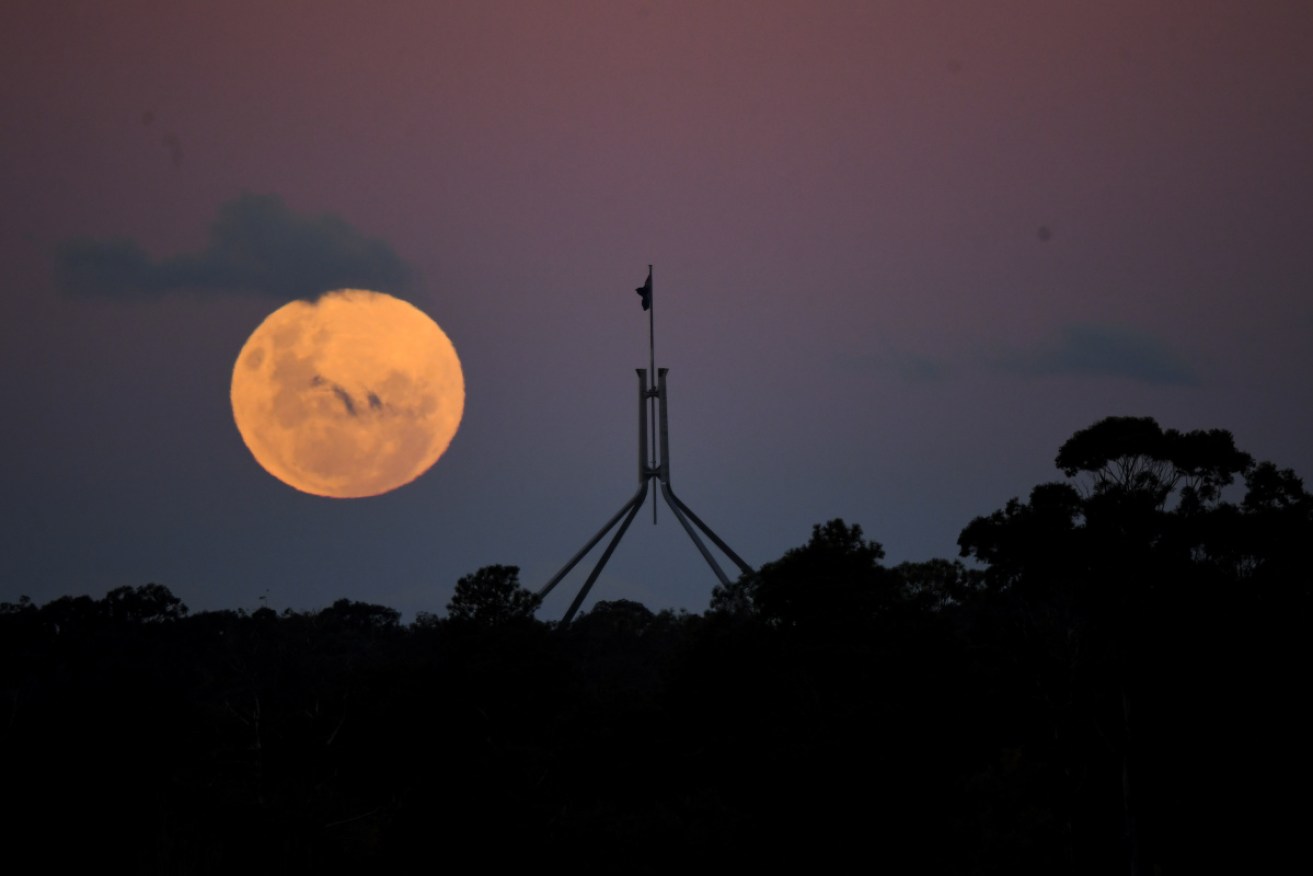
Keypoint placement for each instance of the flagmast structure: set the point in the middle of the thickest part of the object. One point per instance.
(649, 304)
(653, 464)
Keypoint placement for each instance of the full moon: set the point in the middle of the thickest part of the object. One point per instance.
(352, 395)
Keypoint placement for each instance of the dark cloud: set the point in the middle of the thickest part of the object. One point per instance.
(1104, 351)
(257, 245)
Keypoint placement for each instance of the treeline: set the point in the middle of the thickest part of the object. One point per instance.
(1115, 684)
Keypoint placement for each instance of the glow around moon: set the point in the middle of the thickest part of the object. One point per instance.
(352, 395)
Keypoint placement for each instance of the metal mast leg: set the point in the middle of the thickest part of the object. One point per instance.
(706, 554)
(682, 512)
(634, 505)
(630, 508)
(592, 542)
(677, 506)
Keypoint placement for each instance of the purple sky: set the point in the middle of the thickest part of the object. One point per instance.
(903, 250)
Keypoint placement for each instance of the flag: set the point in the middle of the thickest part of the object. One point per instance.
(646, 290)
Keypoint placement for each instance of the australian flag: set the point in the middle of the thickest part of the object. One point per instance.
(646, 290)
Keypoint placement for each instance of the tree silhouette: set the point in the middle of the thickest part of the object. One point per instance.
(149, 603)
(1113, 681)
(1105, 586)
(835, 578)
(1134, 456)
(361, 616)
(491, 597)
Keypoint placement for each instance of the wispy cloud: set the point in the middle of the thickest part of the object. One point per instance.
(1103, 351)
(257, 245)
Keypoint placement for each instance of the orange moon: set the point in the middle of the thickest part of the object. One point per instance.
(351, 395)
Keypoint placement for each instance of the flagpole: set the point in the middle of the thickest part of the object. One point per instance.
(651, 332)
(651, 361)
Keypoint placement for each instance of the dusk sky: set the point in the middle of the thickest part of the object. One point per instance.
(902, 251)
